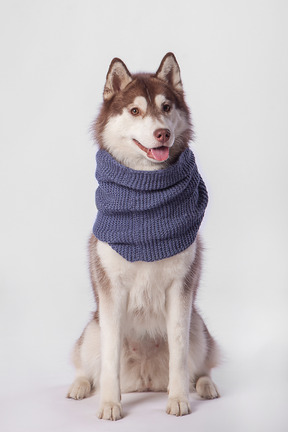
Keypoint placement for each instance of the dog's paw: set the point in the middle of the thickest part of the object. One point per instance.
(206, 388)
(110, 411)
(178, 407)
(80, 389)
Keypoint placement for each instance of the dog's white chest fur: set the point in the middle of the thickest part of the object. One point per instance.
(147, 284)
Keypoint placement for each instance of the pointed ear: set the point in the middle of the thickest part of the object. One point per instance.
(117, 78)
(169, 72)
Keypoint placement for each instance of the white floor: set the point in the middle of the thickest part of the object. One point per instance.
(252, 399)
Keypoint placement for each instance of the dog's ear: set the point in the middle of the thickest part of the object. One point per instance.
(117, 78)
(169, 72)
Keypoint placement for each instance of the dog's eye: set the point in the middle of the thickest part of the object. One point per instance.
(135, 111)
(166, 107)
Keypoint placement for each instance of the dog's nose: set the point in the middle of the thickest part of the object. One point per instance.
(162, 135)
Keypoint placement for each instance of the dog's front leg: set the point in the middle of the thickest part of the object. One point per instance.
(179, 304)
(111, 316)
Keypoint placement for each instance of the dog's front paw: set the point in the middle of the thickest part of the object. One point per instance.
(178, 407)
(110, 411)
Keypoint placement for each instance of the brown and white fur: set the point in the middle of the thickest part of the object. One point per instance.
(147, 334)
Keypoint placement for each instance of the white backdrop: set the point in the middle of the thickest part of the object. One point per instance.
(54, 58)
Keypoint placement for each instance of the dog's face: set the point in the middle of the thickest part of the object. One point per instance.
(144, 121)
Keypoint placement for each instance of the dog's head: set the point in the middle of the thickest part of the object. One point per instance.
(144, 121)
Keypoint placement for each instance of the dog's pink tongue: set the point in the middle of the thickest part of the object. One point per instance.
(160, 154)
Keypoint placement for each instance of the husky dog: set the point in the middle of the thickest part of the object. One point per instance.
(147, 334)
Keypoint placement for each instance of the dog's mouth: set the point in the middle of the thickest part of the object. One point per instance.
(159, 154)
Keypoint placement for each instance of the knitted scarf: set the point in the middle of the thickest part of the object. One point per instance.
(149, 215)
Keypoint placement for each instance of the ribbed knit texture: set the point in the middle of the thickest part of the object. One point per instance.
(149, 215)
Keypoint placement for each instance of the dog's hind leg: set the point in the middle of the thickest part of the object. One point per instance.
(204, 355)
(80, 388)
(206, 388)
(86, 359)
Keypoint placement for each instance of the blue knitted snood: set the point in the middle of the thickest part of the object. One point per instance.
(149, 215)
